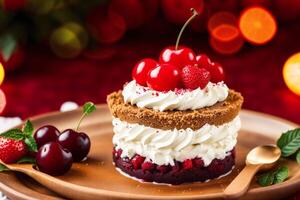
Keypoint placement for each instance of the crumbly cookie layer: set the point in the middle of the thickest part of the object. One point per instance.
(218, 114)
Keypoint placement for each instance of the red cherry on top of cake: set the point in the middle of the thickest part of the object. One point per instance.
(164, 77)
(216, 70)
(178, 66)
(178, 57)
(141, 70)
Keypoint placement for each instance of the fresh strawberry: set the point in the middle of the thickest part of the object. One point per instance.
(12, 150)
(16, 143)
(194, 77)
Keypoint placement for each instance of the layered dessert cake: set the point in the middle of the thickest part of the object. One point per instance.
(176, 121)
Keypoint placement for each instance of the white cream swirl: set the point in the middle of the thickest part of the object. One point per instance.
(164, 146)
(145, 97)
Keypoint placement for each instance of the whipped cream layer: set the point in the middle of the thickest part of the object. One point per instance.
(145, 97)
(164, 146)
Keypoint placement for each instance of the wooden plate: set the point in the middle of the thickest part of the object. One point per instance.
(99, 173)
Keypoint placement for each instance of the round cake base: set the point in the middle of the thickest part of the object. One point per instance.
(181, 172)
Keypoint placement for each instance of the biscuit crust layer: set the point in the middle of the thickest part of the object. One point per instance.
(220, 113)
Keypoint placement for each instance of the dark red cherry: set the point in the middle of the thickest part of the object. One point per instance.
(141, 70)
(53, 159)
(77, 143)
(181, 57)
(46, 134)
(164, 77)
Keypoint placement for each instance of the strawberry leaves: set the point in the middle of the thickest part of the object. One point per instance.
(28, 128)
(289, 142)
(29, 140)
(3, 168)
(27, 159)
(26, 134)
(15, 134)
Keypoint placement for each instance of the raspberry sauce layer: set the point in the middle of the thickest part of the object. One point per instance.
(191, 170)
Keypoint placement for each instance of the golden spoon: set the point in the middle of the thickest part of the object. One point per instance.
(259, 158)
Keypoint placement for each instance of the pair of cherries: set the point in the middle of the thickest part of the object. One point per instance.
(57, 151)
(177, 68)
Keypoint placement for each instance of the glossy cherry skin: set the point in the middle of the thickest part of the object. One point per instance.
(203, 60)
(164, 77)
(78, 144)
(53, 159)
(141, 70)
(181, 57)
(46, 134)
(216, 71)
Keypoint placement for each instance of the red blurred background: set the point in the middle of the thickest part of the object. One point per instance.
(54, 62)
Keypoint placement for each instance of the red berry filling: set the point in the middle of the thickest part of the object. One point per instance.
(137, 161)
(188, 164)
(148, 166)
(190, 170)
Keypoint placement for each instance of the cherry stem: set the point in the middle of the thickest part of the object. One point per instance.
(80, 120)
(195, 13)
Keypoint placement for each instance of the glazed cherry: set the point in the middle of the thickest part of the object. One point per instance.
(53, 159)
(203, 60)
(141, 70)
(77, 143)
(164, 77)
(46, 134)
(216, 71)
(179, 57)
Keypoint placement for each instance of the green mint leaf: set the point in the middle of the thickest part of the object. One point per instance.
(3, 168)
(289, 142)
(8, 45)
(28, 128)
(15, 134)
(273, 177)
(27, 159)
(31, 144)
(89, 107)
(281, 174)
(266, 179)
(298, 157)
